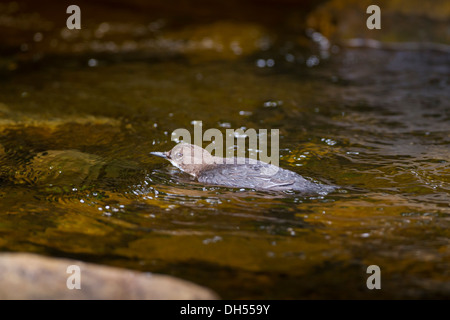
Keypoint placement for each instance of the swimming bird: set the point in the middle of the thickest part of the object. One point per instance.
(238, 172)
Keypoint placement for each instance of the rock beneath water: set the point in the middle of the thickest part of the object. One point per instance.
(219, 40)
(30, 276)
(411, 21)
(15, 118)
(61, 167)
(67, 168)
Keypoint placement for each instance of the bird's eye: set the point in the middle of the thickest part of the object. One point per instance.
(179, 155)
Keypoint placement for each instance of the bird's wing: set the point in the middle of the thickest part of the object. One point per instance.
(259, 176)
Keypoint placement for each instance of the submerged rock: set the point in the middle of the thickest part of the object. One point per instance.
(16, 119)
(220, 40)
(30, 276)
(401, 21)
(65, 168)
(61, 166)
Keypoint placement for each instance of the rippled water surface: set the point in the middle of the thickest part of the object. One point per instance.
(77, 181)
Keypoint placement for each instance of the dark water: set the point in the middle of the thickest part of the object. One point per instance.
(76, 179)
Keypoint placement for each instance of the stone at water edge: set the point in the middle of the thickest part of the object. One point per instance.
(27, 276)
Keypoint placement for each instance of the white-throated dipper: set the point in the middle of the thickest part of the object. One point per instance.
(238, 172)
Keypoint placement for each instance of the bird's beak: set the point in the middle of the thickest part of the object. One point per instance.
(160, 154)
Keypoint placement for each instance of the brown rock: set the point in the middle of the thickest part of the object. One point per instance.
(401, 21)
(30, 276)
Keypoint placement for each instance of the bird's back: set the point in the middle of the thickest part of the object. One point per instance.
(246, 173)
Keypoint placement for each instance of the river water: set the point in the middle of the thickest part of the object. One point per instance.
(77, 179)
